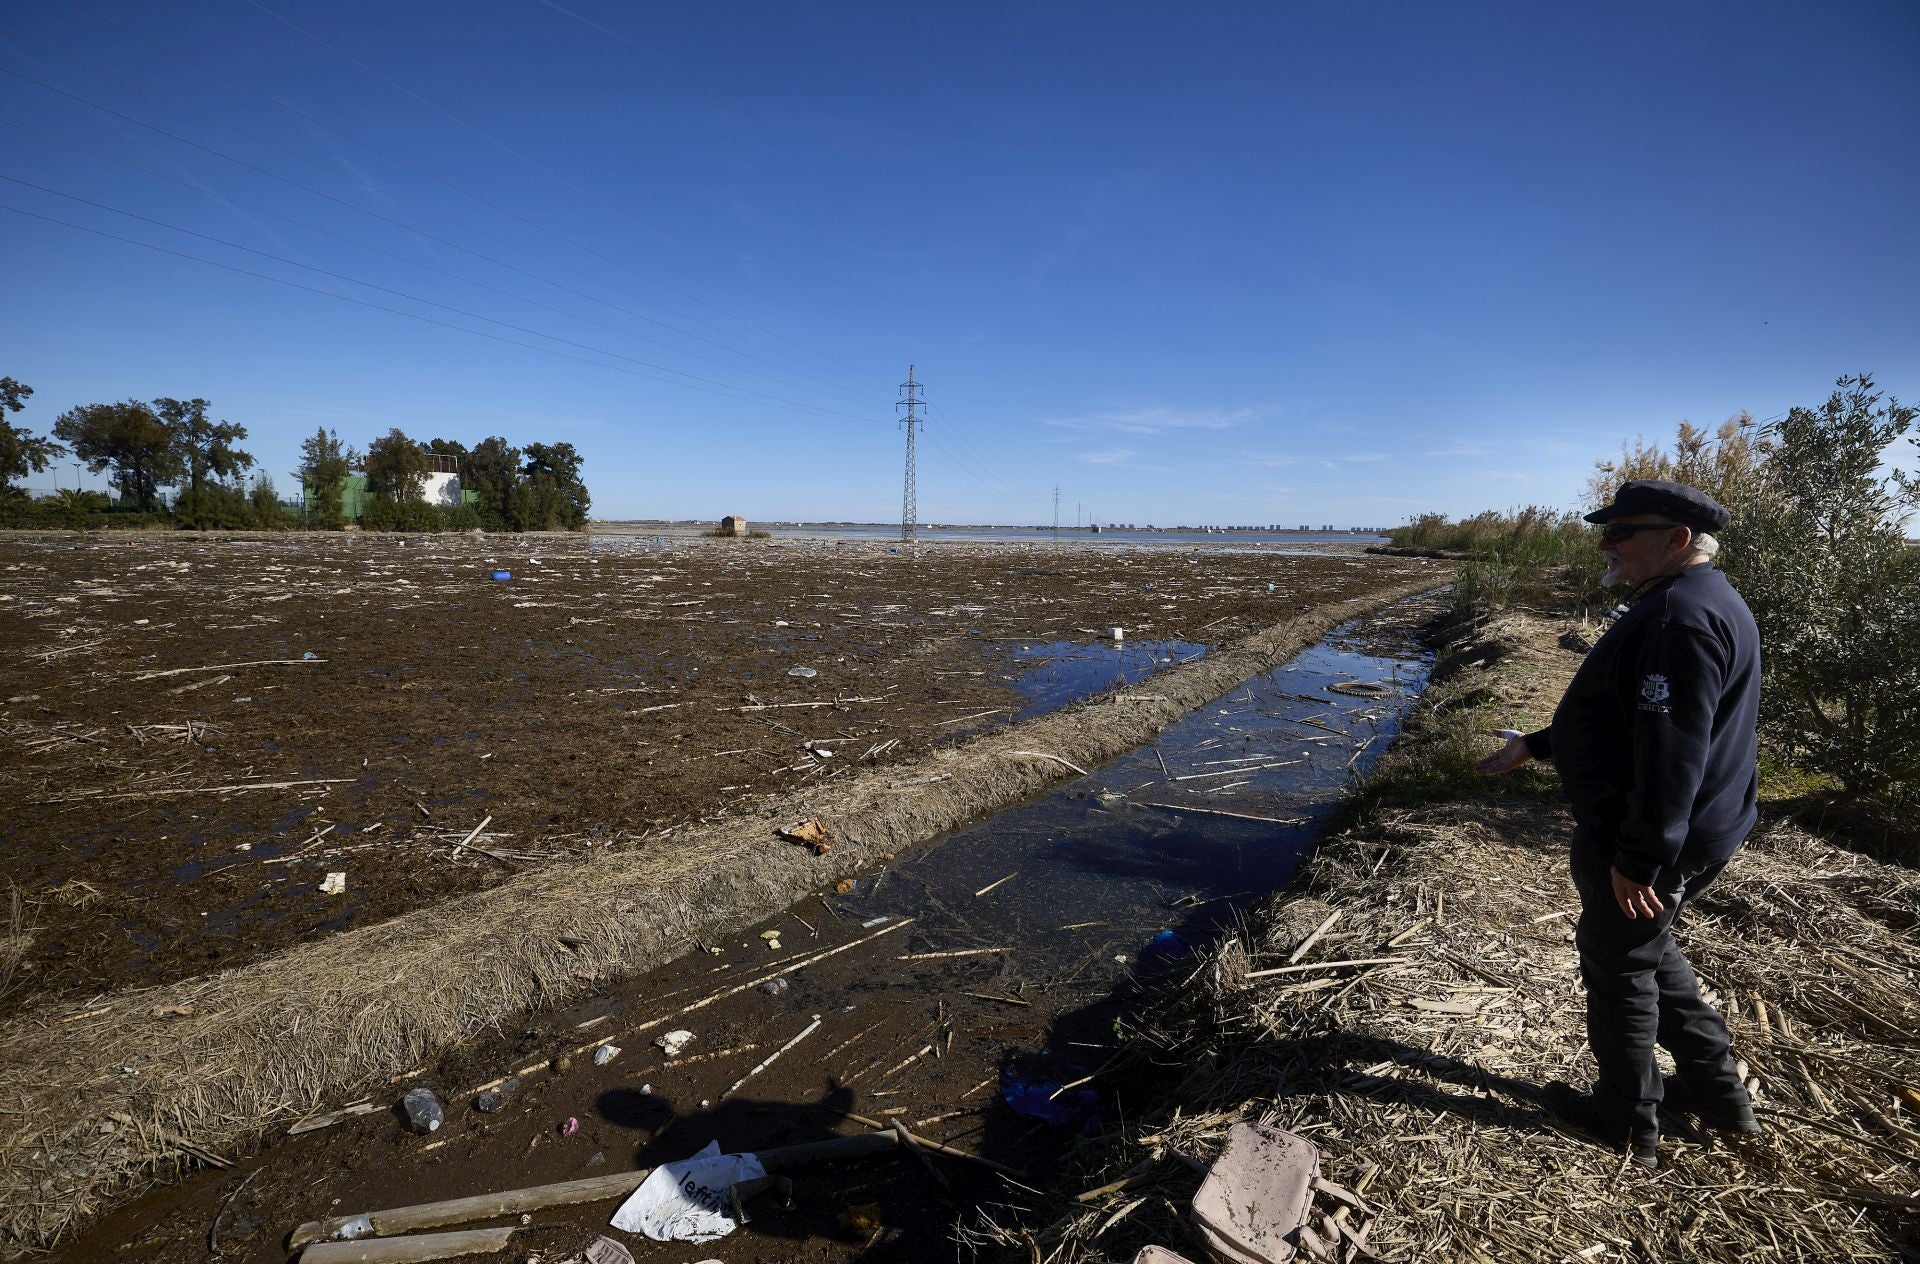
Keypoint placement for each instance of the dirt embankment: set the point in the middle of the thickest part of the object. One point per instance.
(222, 1056)
(1418, 1075)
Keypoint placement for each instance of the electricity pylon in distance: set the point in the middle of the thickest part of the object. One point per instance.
(909, 495)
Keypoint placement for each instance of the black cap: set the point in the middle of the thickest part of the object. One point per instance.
(1688, 506)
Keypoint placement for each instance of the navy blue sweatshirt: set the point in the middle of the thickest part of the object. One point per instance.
(1655, 739)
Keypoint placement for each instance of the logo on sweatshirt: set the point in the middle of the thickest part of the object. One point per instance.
(1653, 693)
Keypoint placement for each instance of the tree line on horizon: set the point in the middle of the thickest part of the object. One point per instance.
(145, 446)
(503, 488)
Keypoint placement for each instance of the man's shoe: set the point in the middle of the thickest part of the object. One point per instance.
(1579, 1112)
(1734, 1117)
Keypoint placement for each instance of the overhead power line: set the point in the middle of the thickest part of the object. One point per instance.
(415, 298)
(607, 31)
(551, 174)
(724, 391)
(960, 430)
(940, 437)
(366, 245)
(433, 237)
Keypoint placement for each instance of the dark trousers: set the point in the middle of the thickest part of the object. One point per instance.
(1640, 990)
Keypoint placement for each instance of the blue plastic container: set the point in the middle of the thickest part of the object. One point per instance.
(503, 575)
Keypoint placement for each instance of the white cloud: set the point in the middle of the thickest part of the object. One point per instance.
(1117, 456)
(1324, 462)
(1155, 420)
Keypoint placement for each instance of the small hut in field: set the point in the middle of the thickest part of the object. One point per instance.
(733, 524)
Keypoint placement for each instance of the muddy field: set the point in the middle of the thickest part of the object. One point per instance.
(199, 731)
(954, 989)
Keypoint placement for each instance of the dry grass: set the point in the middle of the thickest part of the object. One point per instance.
(1419, 1078)
(14, 940)
(210, 1064)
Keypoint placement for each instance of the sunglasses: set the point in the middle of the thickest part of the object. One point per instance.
(1616, 532)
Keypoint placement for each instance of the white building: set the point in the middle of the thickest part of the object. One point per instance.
(443, 480)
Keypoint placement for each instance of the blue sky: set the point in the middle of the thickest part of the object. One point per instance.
(1231, 263)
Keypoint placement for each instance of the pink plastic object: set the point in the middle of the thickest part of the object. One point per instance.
(1257, 1195)
(570, 1127)
(1159, 1255)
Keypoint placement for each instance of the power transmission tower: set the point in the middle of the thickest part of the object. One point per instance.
(1056, 509)
(909, 496)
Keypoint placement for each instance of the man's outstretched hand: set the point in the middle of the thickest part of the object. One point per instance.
(1636, 899)
(1507, 758)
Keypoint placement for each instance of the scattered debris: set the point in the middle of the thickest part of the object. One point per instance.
(604, 1250)
(690, 1200)
(1257, 1201)
(774, 1056)
(1027, 754)
(328, 1120)
(996, 882)
(605, 1054)
(804, 673)
(673, 1042)
(1363, 688)
(811, 833)
(422, 1110)
(335, 883)
(861, 1218)
(1033, 1089)
(414, 1250)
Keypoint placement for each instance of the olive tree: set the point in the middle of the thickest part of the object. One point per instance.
(1818, 550)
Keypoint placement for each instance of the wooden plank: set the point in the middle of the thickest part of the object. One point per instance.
(427, 1246)
(591, 1189)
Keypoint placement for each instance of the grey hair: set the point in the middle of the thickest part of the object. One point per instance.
(1705, 545)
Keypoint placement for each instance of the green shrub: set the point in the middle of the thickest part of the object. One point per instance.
(1818, 550)
(387, 515)
(88, 511)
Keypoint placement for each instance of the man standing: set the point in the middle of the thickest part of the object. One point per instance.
(1656, 748)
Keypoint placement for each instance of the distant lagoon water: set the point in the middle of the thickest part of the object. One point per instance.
(889, 533)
